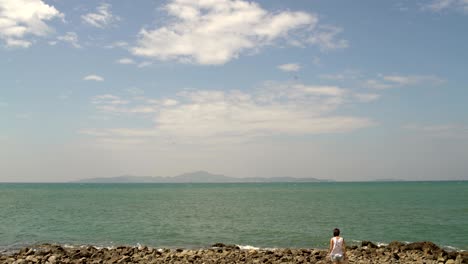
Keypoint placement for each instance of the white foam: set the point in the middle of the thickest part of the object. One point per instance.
(248, 247)
(381, 244)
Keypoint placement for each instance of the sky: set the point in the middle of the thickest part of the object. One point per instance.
(342, 90)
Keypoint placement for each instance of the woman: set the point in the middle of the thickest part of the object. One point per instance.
(337, 251)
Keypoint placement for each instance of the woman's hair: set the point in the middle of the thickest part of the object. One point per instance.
(336, 232)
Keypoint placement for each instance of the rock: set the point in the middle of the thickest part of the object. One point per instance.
(422, 246)
(368, 244)
(395, 245)
(20, 261)
(395, 252)
(52, 259)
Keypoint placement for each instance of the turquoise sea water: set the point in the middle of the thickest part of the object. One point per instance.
(259, 215)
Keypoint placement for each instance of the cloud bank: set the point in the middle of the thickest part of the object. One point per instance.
(207, 115)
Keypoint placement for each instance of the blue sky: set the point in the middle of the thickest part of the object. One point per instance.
(345, 90)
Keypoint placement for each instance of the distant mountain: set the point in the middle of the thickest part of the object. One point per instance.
(195, 177)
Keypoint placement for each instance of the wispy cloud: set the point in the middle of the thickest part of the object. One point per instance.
(413, 79)
(326, 38)
(144, 64)
(93, 77)
(337, 76)
(126, 61)
(456, 131)
(276, 109)
(71, 38)
(393, 81)
(20, 19)
(65, 95)
(102, 18)
(289, 67)
(441, 5)
(117, 44)
(379, 84)
(114, 104)
(348, 74)
(215, 32)
(366, 97)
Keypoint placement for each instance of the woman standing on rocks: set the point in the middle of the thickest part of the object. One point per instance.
(337, 251)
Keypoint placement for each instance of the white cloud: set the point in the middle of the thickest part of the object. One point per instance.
(276, 109)
(70, 37)
(102, 18)
(125, 61)
(215, 32)
(22, 18)
(393, 81)
(325, 38)
(441, 5)
(93, 77)
(290, 67)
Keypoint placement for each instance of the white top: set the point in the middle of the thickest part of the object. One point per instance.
(337, 246)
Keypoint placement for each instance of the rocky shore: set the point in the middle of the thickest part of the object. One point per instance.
(367, 252)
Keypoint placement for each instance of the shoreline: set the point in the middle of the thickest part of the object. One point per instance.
(367, 252)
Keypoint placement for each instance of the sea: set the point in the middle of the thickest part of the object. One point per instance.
(250, 215)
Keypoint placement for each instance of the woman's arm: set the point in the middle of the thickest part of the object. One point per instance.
(331, 246)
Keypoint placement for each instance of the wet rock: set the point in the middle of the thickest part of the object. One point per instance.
(421, 246)
(395, 245)
(368, 244)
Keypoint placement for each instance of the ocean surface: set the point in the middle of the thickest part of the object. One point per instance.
(265, 215)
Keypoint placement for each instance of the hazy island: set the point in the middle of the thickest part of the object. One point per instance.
(196, 177)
